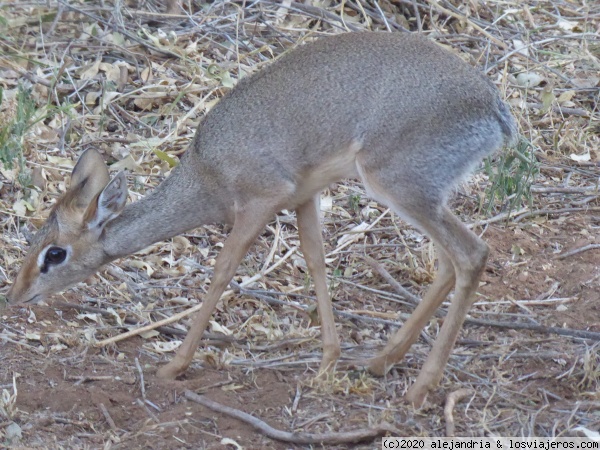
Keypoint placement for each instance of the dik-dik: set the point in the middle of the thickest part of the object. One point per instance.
(395, 110)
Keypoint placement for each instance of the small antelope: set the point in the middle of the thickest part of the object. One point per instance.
(395, 110)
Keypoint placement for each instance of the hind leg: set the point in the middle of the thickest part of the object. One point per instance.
(400, 342)
(462, 260)
(468, 254)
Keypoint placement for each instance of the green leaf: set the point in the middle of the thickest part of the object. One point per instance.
(166, 158)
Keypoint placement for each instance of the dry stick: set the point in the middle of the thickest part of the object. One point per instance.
(391, 281)
(451, 401)
(511, 325)
(580, 112)
(368, 12)
(564, 190)
(540, 212)
(357, 237)
(108, 418)
(582, 334)
(498, 218)
(84, 379)
(164, 330)
(122, 30)
(141, 372)
(190, 311)
(448, 12)
(318, 13)
(417, 16)
(299, 438)
(62, 88)
(149, 327)
(585, 248)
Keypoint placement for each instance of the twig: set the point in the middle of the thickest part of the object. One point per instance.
(149, 327)
(383, 18)
(448, 12)
(564, 190)
(498, 218)
(476, 322)
(391, 281)
(190, 311)
(141, 372)
(164, 330)
(273, 301)
(452, 399)
(318, 13)
(145, 408)
(541, 212)
(582, 334)
(122, 30)
(299, 438)
(417, 16)
(585, 248)
(80, 379)
(357, 237)
(108, 418)
(580, 112)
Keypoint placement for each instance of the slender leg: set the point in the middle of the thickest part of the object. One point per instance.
(247, 226)
(418, 196)
(462, 260)
(469, 255)
(311, 242)
(401, 342)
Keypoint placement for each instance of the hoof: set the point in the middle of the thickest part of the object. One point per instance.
(377, 366)
(327, 367)
(416, 395)
(169, 371)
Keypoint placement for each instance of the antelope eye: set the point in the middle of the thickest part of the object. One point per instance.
(55, 255)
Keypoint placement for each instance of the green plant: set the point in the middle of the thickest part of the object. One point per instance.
(17, 120)
(511, 177)
(355, 202)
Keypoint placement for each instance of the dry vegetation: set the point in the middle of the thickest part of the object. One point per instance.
(123, 77)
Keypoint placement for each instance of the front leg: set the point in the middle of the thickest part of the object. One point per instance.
(247, 226)
(311, 243)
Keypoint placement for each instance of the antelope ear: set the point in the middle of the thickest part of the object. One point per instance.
(88, 179)
(107, 205)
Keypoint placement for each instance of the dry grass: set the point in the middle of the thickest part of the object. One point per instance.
(134, 84)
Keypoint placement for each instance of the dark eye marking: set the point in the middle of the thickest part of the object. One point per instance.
(54, 255)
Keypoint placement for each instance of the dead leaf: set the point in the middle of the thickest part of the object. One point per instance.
(581, 158)
(218, 328)
(90, 71)
(127, 163)
(565, 97)
(112, 71)
(149, 334)
(529, 79)
(586, 83)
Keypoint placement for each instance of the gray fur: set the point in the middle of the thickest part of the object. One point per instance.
(395, 110)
